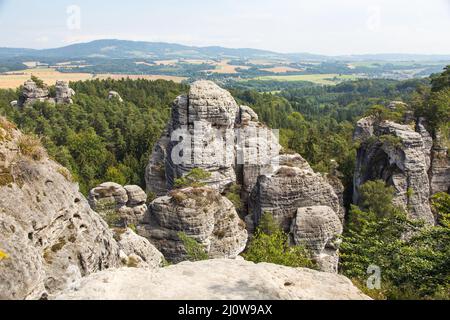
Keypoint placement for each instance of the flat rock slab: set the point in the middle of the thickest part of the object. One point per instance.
(215, 280)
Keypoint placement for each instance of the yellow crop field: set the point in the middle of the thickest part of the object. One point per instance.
(12, 80)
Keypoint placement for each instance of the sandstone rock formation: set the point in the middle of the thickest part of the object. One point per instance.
(63, 93)
(215, 280)
(32, 93)
(274, 183)
(440, 167)
(128, 202)
(114, 95)
(400, 155)
(201, 213)
(319, 229)
(50, 235)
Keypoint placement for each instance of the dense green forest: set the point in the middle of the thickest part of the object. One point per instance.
(99, 139)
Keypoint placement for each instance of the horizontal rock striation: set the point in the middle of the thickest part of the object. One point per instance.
(202, 214)
(50, 235)
(399, 155)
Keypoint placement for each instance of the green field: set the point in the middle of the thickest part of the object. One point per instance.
(325, 79)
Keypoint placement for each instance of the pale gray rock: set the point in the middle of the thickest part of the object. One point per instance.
(51, 236)
(128, 202)
(114, 95)
(319, 229)
(288, 189)
(248, 115)
(215, 280)
(63, 93)
(440, 167)
(397, 154)
(46, 227)
(214, 112)
(201, 213)
(137, 251)
(13, 103)
(31, 93)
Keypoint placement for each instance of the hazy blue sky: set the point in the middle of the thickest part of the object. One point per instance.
(318, 26)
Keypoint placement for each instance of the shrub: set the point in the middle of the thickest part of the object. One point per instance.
(193, 179)
(31, 147)
(194, 249)
(234, 195)
(65, 173)
(270, 244)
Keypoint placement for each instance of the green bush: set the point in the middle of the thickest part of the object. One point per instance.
(413, 257)
(193, 179)
(234, 195)
(270, 244)
(194, 249)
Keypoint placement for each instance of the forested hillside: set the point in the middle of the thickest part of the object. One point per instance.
(96, 138)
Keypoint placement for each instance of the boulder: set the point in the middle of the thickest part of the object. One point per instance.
(215, 280)
(32, 93)
(319, 229)
(202, 214)
(114, 95)
(49, 233)
(63, 93)
(125, 205)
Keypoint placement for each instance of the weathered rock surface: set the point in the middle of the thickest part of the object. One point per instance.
(440, 167)
(201, 213)
(51, 236)
(128, 202)
(399, 155)
(216, 280)
(278, 184)
(32, 93)
(210, 114)
(63, 93)
(137, 251)
(319, 228)
(114, 95)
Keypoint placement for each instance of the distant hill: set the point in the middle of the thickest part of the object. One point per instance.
(124, 49)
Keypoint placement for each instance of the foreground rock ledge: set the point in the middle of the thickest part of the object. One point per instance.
(215, 280)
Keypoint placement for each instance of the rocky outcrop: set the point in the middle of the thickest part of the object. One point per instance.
(279, 184)
(32, 93)
(439, 171)
(202, 214)
(399, 155)
(49, 233)
(63, 93)
(128, 202)
(319, 228)
(137, 251)
(216, 280)
(114, 95)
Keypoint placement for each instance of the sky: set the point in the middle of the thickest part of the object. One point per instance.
(317, 26)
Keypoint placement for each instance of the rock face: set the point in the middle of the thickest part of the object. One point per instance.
(215, 280)
(319, 229)
(201, 213)
(51, 236)
(32, 93)
(440, 167)
(114, 95)
(128, 202)
(274, 183)
(399, 155)
(63, 93)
